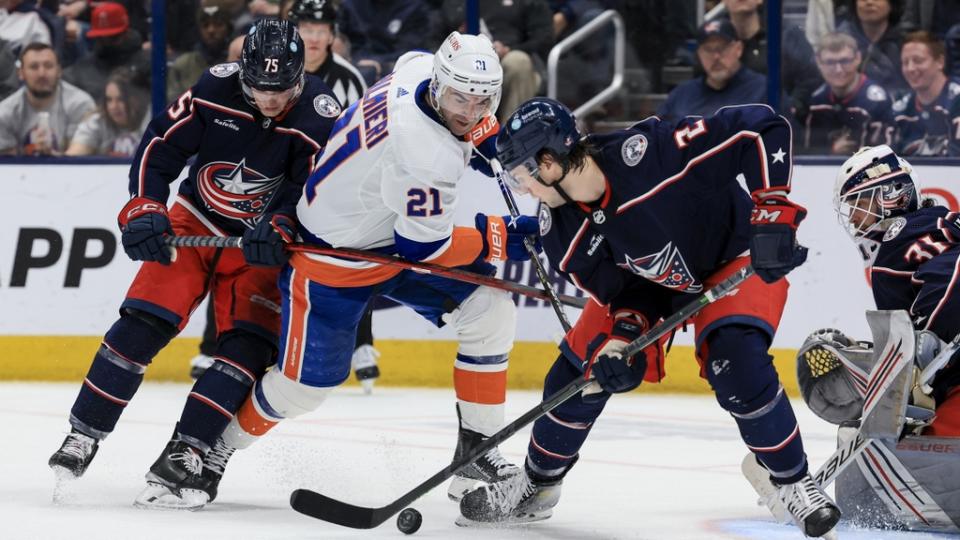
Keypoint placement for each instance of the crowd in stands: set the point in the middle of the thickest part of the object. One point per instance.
(75, 74)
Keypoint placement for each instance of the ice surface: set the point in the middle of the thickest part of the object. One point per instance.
(655, 467)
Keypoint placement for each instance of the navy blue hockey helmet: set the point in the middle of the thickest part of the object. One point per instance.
(316, 11)
(538, 124)
(272, 58)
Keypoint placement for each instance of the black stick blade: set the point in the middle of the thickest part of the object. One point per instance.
(316, 505)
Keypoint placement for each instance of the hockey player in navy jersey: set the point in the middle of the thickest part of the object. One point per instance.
(642, 219)
(255, 128)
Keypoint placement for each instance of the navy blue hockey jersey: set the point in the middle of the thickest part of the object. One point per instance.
(916, 266)
(246, 165)
(673, 211)
(929, 130)
(864, 116)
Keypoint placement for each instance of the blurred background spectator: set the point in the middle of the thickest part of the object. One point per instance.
(522, 34)
(21, 24)
(798, 74)
(42, 117)
(934, 16)
(726, 81)
(118, 123)
(929, 116)
(8, 71)
(849, 110)
(116, 46)
(379, 31)
(216, 27)
(317, 22)
(873, 23)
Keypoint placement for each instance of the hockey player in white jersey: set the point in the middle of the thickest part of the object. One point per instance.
(387, 182)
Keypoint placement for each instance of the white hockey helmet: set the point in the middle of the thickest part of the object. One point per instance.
(469, 65)
(873, 185)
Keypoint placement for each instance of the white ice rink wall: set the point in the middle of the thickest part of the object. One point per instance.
(63, 272)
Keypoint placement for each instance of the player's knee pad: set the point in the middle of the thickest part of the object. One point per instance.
(135, 338)
(740, 370)
(485, 322)
(243, 355)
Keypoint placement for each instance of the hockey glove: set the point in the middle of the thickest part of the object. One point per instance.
(503, 237)
(143, 225)
(264, 245)
(613, 372)
(774, 250)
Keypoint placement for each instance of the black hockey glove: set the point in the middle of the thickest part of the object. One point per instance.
(264, 245)
(614, 373)
(143, 225)
(503, 237)
(774, 250)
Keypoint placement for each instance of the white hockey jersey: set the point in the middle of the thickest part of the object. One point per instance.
(389, 170)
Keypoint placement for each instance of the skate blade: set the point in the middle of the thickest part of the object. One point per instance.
(159, 497)
(367, 385)
(530, 517)
(63, 482)
(831, 535)
(759, 478)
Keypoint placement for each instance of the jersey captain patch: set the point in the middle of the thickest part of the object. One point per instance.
(633, 149)
(224, 70)
(326, 106)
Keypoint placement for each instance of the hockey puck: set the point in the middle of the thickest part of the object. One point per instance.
(409, 521)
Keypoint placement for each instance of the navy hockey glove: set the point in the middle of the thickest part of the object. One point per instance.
(613, 372)
(143, 225)
(265, 244)
(503, 237)
(774, 250)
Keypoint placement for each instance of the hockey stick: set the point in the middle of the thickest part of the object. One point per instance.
(529, 244)
(372, 256)
(331, 510)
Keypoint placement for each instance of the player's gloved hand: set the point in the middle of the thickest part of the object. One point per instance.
(613, 372)
(143, 225)
(774, 250)
(503, 237)
(264, 245)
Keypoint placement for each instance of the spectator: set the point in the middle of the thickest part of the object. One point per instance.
(928, 116)
(216, 26)
(820, 20)
(522, 34)
(658, 33)
(850, 110)
(8, 71)
(317, 22)
(379, 31)
(935, 16)
(181, 32)
(115, 46)
(115, 129)
(235, 49)
(41, 117)
(874, 25)
(799, 73)
(725, 80)
(21, 27)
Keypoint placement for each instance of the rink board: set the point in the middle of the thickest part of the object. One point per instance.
(63, 274)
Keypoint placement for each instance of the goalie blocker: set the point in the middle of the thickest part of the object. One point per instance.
(906, 475)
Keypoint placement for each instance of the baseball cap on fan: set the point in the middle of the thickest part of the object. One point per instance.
(108, 19)
(717, 27)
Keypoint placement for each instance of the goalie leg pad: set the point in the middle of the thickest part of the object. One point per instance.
(240, 359)
(117, 370)
(274, 397)
(746, 385)
(558, 435)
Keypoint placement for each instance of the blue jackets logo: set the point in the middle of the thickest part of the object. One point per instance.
(236, 191)
(665, 267)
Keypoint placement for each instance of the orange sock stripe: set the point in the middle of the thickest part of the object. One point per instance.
(251, 421)
(486, 388)
(296, 326)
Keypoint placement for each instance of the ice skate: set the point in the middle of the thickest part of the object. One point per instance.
(174, 481)
(214, 464)
(811, 508)
(365, 366)
(199, 364)
(517, 499)
(490, 467)
(74, 455)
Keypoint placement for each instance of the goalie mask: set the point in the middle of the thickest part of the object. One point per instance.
(825, 383)
(873, 185)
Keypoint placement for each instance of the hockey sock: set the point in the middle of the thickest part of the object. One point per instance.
(117, 371)
(747, 386)
(241, 359)
(481, 386)
(558, 435)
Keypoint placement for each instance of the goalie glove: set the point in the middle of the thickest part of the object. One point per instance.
(143, 225)
(827, 386)
(774, 250)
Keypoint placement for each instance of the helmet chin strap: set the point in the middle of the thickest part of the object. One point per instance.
(565, 167)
